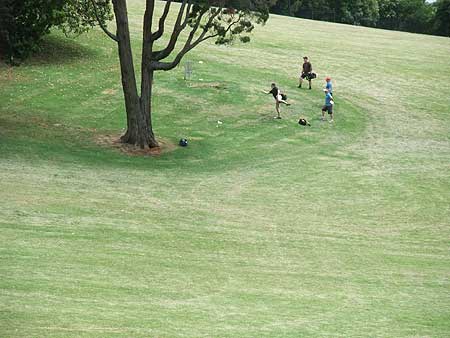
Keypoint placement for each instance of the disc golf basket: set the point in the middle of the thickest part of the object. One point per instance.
(187, 70)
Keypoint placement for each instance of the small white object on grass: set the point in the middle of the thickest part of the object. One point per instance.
(200, 79)
(200, 61)
(219, 122)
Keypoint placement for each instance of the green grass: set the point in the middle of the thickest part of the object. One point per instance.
(260, 228)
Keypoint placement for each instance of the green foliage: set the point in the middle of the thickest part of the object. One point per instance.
(81, 15)
(287, 7)
(416, 16)
(237, 19)
(442, 18)
(23, 23)
(389, 13)
(407, 15)
(359, 12)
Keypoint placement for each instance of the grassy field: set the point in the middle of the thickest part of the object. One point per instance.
(259, 228)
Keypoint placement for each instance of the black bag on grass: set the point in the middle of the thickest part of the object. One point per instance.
(303, 122)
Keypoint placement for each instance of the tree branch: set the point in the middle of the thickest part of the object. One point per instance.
(162, 21)
(196, 26)
(157, 65)
(101, 24)
(202, 37)
(148, 21)
(177, 29)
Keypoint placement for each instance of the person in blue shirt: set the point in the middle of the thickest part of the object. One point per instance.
(328, 107)
(329, 85)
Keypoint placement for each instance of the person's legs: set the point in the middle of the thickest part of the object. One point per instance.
(330, 112)
(279, 99)
(309, 80)
(323, 113)
(300, 81)
(277, 108)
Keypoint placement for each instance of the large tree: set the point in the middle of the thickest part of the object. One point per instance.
(358, 12)
(442, 18)
(196, 21)
(389, 14)
(285, 7)
(407, 15)
(415, 16)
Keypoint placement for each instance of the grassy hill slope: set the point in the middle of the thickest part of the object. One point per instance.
(260, 228)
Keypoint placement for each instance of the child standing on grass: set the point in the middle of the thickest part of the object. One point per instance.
(329, 85)
(328, 107)
(278, 96)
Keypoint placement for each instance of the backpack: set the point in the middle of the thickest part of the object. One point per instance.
(303, 122)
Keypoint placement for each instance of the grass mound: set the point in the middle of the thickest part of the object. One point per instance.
(260, 227)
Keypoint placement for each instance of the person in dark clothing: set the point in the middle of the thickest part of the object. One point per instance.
(306, 72)
(279, 98)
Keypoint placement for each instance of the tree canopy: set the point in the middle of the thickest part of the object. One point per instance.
(23, 23)
(442, 18)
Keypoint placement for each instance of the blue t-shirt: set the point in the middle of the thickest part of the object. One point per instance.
(329, 87)
(328, 99)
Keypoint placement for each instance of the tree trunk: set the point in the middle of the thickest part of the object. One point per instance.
(138, 128)
(147, 76)
(146, 107)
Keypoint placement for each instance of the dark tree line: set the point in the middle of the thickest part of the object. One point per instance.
(417, 16)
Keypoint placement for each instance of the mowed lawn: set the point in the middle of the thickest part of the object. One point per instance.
(260, 227)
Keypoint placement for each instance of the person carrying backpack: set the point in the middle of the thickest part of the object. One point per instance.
(307, 72)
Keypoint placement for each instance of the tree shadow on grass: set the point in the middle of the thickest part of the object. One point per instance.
(35, 138)
(57, 49)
